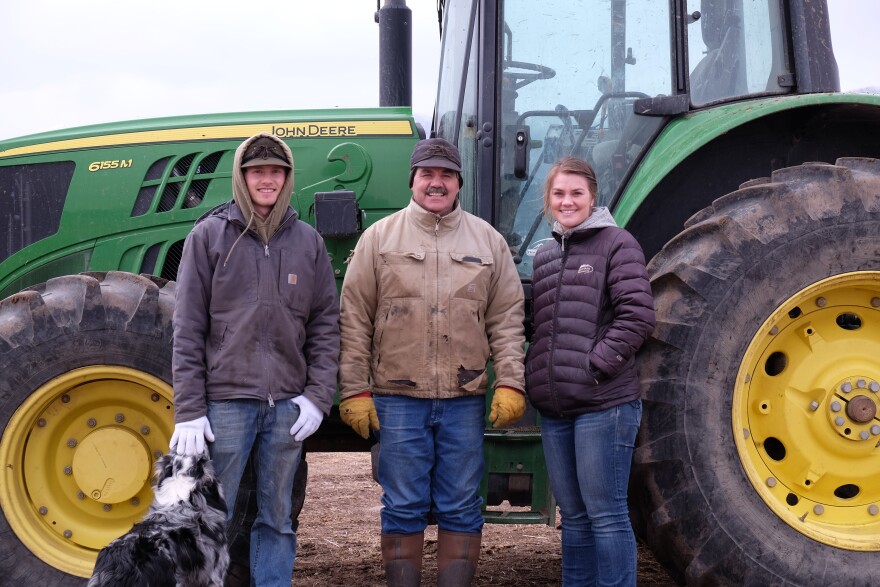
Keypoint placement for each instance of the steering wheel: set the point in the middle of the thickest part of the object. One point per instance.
(533, 72)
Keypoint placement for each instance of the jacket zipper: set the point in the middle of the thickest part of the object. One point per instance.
(550, 375)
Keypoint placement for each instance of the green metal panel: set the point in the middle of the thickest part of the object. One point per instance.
(515, 466)
(689, 133)
(142, 184)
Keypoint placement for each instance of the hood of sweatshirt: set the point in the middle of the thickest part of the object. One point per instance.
(264, 227)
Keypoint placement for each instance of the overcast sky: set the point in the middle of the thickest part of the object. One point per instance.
(69, 63)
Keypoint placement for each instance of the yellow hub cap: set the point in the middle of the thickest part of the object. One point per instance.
(77, 459)
(806, 411)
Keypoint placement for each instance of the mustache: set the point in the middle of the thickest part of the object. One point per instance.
(437, 191)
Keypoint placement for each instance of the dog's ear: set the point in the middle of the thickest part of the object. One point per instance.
(207, 490)
(163, 468)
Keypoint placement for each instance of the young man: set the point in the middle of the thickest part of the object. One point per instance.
(431, 292)
(256, 344)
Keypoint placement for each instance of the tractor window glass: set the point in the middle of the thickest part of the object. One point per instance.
(570, 73)
(31, 200)
(456, 98)
(735, 49)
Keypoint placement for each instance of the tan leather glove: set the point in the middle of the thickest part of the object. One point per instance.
(359, 412)
(508, 406)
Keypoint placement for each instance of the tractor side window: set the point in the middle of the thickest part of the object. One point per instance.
(569, 75)
(456, 98)
(735, 49)
(31, 201)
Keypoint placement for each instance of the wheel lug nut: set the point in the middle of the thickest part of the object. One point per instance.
(145, 430)
(68, 470)
(41, 422)
(65, 399)
(835, 406)
(874, 386)
(92, 423)
(814, 405)
(861, 383)
(43, 510)
(875, 429)
(864, 435)
(771, 482)
(107, 507)
(80, 495)
(135, 501)
(839, 420)
(846, 387)
(821, 302)
(873, 510)
(154, 397)
(68, 533)
(120, 418)
(818, 509)
(71, 442)
(875, 302)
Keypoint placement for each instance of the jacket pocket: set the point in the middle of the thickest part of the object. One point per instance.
(399, 356)
(471, 276)
(402, 274)
(470, 347)
(295, 282)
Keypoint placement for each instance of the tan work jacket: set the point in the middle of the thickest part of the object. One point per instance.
(426, 302)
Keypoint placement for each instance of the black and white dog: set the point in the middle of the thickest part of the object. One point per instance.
(182, 539)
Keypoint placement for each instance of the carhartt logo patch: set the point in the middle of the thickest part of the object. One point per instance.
(585, 269)
(291, 278)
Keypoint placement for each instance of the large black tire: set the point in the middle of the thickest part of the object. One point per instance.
(86, 369)
(85, 362)
(786, 247)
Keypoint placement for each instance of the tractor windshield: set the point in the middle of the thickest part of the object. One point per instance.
(571, 72)
(537, 81)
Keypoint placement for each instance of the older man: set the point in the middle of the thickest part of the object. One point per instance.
(430, 294)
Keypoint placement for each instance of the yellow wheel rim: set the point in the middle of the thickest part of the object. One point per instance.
(77, 458)
(806, 411)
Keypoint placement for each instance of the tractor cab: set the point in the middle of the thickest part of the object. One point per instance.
(597, 80)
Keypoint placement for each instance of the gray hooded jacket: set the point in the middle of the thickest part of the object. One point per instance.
(254, 319)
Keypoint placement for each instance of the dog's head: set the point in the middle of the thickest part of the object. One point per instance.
(188, 478)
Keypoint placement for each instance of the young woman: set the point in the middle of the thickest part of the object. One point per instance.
(593, 309)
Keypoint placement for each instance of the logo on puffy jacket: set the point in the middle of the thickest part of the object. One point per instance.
(585, 269)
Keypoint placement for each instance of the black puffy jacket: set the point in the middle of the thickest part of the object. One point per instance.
(593, 309)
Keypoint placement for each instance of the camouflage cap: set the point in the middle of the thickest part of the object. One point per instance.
(264, 151)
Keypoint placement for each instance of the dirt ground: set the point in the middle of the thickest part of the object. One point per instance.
(339, 537)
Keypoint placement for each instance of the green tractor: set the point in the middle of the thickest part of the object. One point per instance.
(721, 141)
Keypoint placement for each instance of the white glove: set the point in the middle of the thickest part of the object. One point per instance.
(310, 418)
(189, 437)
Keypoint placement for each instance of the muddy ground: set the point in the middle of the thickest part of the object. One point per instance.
(339, 537)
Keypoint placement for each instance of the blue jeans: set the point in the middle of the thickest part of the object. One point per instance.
(588, 461)
(430, 459)
(241, 425)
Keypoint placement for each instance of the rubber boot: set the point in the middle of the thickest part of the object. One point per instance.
(402, 555)
(457, 556)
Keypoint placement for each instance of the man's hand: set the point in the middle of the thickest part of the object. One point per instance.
(310, 418)
(508, 406)
(189, 437)
(359, 412)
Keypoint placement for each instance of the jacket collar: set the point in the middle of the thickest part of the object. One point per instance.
(235, 214)
(430, 222)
